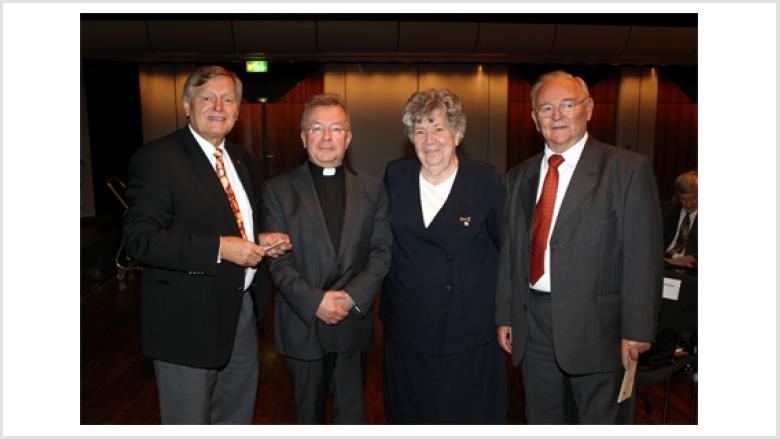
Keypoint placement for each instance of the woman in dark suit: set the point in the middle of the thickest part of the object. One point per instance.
(442, 364)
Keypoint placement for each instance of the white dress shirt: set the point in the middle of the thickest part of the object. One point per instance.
(238, 190)
(565, 172)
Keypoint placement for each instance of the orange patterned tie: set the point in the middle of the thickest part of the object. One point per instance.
(229, 191)
(543, 217)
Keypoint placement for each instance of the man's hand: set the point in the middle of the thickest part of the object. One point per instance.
(505, 338)
(268, 240)
(345, 301)
(331, 309)
(240, 251)
(633, 349)
(683, 261)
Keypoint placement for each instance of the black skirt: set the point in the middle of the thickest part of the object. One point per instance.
(463, 388)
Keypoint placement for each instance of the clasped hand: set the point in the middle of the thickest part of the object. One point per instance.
(334, 307)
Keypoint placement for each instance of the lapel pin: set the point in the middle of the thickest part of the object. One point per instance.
(466, 220)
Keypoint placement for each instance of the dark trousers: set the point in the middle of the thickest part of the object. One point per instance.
(192, 395)
(553, 396)
(343, 374)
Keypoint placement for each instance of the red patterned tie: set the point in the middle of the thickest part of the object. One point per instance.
(543, 218)
(229, 191)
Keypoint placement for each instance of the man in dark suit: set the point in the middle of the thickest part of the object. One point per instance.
(580, 268)
(681, 225)
(192, 223)
(323, 322)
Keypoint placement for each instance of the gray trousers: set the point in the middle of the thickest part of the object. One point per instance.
(192, 395)
(342, 373)
(553, 396)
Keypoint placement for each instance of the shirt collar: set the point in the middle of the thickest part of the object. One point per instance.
(571, 156)
(205, 145)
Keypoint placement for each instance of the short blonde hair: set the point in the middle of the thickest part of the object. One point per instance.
(203, 74)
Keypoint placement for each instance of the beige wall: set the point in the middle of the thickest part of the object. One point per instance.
(161, 87)
(376, 94)
(636, 109)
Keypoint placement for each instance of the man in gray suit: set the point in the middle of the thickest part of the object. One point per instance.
(338, 221)
(580, 270)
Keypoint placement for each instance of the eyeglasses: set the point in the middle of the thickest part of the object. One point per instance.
(318, 129)
(566, 108)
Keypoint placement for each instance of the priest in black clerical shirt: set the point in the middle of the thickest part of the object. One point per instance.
(323, 323)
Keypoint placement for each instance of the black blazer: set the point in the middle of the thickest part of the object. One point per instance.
(291, 205)
(177, 211)
(605, 255)
(671, 220)
(439, 295)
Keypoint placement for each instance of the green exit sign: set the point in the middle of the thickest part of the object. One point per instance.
(257, 66)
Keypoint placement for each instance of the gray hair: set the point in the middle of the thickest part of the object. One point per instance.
(555, 74)
(422, 105)
(203, 74)
(686, 183)
(324, 100)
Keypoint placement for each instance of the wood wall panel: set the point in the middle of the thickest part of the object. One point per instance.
(677, 140)
(271, 131)
(604, 93)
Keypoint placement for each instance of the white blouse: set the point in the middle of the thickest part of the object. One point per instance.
(433, 196)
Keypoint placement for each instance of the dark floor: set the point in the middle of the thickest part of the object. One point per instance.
(118, 387)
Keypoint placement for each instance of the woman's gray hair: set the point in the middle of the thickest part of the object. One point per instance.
(687, 182)
(555, 74)
(324, 100)
(203, 74)
(422, 105)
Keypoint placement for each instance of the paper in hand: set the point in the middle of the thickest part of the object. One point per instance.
(627, 386)
(273, 246)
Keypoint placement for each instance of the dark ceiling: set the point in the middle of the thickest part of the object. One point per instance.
(637, 39)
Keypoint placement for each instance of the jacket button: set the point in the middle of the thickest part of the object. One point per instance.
(240, 288)
(525, 307)
(449, 287)
(450, 258)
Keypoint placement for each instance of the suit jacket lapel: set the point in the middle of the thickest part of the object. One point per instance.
(530, 187)
(242, 169)
(582, 182)
(304, 186)
(206, 176)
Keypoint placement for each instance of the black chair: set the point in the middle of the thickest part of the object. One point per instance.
(123, 263)
(675, 350)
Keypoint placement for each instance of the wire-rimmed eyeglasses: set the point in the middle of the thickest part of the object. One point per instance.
(565, 107)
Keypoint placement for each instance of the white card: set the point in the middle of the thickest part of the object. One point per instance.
(671, 288)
